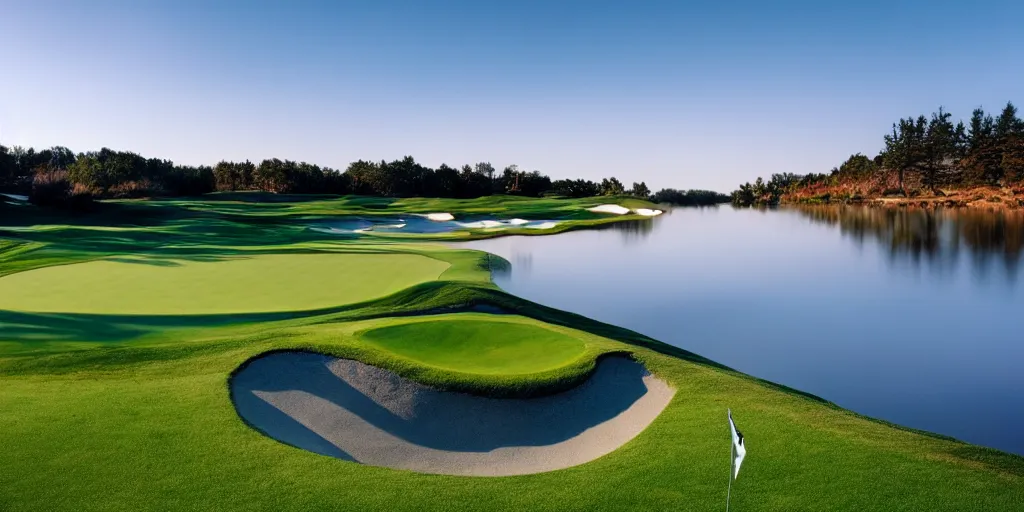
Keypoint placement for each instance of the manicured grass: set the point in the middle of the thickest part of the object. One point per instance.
(231, 221)
(478, 346)
(117, 411)
(153, 427)
(212, 285)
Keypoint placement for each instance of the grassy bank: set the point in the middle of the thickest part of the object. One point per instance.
(102, 409)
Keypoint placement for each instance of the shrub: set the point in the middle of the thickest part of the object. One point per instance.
(50, 188)
(81, 197)
(53, 188)
(133, 189)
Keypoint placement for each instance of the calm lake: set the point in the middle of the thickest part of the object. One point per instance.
(911, 316)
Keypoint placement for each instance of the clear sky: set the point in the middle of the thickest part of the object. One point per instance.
(673, 93)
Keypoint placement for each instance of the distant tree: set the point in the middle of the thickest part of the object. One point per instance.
(935, 149)
(640, 190)
(509, 180)
(271, 175)
(784, 182)
(448, 182)
(943, 144)
(8, 166)
(744, 196)
(336, 182)
(20, 157)
(1009, 137)
(86, 170)
(365, 178)
(983, 158)
(858, 166)
(1008, 123)
(188, 181)
(61, 157)
(1012, 161)
(534, 184)
(111, 173)
(24, 162)
(904, 147)
(234, 175)
(612, 187)
(486, 169)
(689, 197)
(759, 189)
(473, 183)
(575, 188)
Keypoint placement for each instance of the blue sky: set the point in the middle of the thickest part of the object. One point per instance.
(678, 94)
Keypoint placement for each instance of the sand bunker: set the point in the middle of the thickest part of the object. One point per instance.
(419, 224)
(647, 212)
(511, 223)
(440, 217)
(362, 413)
(483, 224)
(609, 208)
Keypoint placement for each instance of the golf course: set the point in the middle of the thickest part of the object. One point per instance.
(230, 352)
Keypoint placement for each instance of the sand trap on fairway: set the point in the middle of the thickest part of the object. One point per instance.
(609, 208)
(357, 412)
(647, 212)
(440, 217)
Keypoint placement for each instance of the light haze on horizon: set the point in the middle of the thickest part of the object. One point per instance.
(676, 95)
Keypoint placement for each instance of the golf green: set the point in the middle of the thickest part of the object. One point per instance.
(228, 284)
(478, 346)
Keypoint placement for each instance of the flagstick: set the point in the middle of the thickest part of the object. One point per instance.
(732, 463)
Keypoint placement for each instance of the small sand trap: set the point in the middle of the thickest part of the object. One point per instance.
(609, 208)
(646, 212)
(362, 413)
(440, 217)
(483, 224)
(511, 223)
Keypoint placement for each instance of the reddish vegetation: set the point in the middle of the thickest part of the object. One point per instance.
(882, 188)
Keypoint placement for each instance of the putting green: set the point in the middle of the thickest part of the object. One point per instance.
(236, 284)
(478, 346)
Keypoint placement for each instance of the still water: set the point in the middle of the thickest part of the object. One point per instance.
(911, 316)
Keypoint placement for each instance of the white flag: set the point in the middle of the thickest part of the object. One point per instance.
(739, 450)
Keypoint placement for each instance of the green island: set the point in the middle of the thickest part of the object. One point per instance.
(121, 332)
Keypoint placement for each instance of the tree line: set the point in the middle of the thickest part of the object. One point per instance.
(919, 154)
(59, 177)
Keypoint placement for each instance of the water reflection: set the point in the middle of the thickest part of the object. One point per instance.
(932, 237)
(633, 229)
(912, 316)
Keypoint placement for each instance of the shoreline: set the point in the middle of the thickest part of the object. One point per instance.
(991, 198)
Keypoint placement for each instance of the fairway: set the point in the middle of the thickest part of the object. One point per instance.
(478, 346)
(230, 284)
